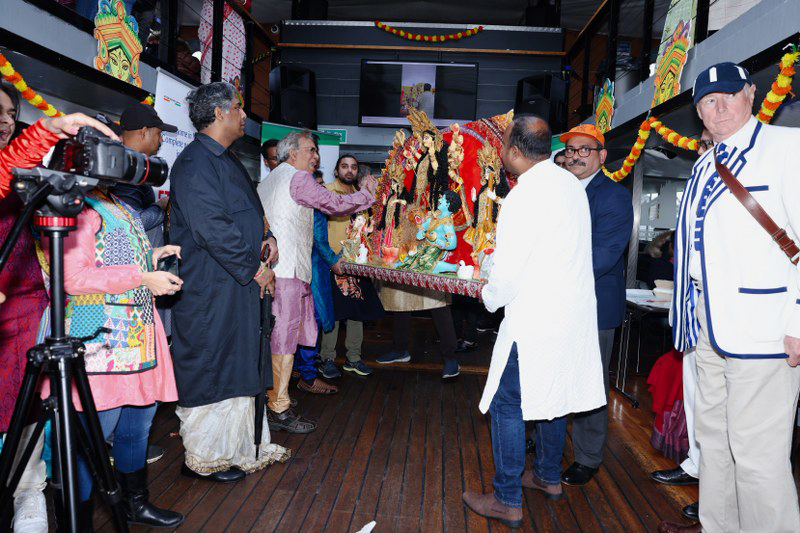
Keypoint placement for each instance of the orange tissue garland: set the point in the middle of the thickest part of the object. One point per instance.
(428, 38)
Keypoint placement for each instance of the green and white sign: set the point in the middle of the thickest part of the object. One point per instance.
(342, 133)
(328, 147)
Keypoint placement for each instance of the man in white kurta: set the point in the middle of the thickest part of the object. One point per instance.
(546, 360)
(737, 299)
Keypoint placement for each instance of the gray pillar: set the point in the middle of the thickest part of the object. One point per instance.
(633, 244)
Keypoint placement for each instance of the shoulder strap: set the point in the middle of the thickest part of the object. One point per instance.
(754, 208)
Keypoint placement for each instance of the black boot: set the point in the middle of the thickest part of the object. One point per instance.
(140, 511)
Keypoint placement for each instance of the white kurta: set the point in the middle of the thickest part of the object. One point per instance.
(543, 276)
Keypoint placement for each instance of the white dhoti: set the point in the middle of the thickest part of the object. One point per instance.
(221, 435)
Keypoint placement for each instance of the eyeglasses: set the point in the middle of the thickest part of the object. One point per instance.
(705, 144)
(274, 158)
(583, 151)
(312, 149)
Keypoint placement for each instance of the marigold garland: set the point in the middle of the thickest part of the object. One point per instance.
(636, 151)
(673, 137)
(772, 101)
(428, 38)
(780, 87)
(36, 100)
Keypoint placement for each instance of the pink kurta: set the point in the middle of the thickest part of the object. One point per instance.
(293, 306)
(82, 276)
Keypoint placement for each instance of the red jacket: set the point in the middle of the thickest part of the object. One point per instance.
(26, 151)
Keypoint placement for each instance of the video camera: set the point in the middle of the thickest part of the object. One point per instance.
(84, 161)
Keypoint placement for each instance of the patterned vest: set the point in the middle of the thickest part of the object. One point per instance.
(291, 223)
(130, 347)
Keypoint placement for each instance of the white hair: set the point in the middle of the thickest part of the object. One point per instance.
(291, 142)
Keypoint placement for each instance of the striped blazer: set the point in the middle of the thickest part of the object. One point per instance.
(750, 288)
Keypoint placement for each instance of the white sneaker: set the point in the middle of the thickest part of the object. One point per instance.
(30, 512)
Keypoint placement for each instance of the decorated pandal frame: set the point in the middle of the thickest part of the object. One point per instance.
(437, 203)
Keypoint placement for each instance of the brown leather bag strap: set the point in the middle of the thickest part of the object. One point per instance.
(754, 208)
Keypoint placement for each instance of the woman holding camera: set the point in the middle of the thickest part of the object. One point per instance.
(110, 282)
(21, 283)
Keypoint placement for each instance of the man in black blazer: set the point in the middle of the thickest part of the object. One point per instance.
(612, 221)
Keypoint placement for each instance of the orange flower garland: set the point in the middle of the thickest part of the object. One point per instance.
(13, 77)
(428, 38)
(636, 151)
(780, 87)
(673, 137)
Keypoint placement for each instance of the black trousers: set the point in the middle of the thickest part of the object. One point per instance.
(465, 317)
(442, 320)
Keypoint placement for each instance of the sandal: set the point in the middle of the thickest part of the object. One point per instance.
(289, 421)
(317, 387)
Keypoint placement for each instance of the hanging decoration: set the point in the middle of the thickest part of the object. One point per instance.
(14, 78)
(604, 108)
(633, 156)
(668, 72)
(234, 45)
(118, 45)
(673, 137)
(780, 87)
(428, 38)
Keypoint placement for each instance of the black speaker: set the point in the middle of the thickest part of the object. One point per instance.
(309, 10)
(543, 95)
(543, 13)
(293, 97)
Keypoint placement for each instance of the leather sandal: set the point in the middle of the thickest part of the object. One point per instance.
(289, 421)
(317, 387)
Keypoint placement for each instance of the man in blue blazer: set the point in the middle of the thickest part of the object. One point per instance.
(612, 221)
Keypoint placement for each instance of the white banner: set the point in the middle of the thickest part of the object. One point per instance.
(171, 106)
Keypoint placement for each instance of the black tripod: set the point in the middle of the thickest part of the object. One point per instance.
(56, 198)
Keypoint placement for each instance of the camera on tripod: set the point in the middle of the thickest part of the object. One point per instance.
(92, 154)
(82, 162)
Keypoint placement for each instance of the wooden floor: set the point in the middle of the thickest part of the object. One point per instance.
(399, 448)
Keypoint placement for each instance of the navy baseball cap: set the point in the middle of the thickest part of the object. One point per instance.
(720, 78)
(140, 116)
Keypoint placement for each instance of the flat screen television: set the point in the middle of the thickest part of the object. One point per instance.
(445, 91)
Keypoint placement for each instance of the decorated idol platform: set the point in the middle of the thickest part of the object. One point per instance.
(438, 198)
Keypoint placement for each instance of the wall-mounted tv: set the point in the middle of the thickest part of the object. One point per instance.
(445, 91)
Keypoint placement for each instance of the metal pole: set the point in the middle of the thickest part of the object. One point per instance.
(216, 41)
(63, 385)
(633, 244)
(587, 52)
(613, 34)
(701, 30)
(647, 40)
